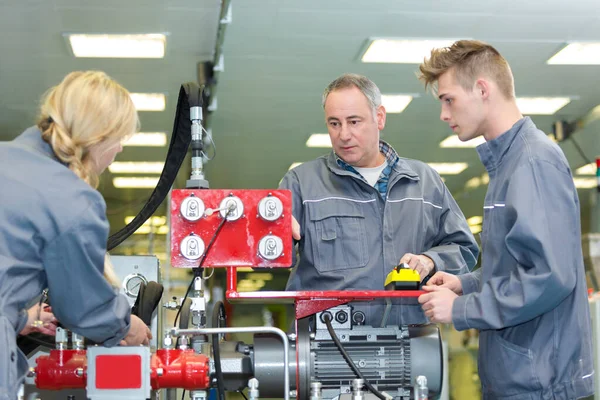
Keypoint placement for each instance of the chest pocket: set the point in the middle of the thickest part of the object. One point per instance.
(338, 235)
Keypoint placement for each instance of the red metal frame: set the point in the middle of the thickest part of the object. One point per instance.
(310, 302)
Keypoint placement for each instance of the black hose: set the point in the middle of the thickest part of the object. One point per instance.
(198, 269)
(218, 315)
(327, 320)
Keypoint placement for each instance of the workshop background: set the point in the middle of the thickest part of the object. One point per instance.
(265, 64)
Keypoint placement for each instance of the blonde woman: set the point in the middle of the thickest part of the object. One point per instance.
(53, 227)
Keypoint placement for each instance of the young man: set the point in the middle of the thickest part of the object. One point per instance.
(529, 298)
(362, 209)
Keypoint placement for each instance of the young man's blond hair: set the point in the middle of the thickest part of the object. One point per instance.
(469, 60)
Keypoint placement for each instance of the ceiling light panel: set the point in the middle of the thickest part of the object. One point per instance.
(588, 169)
(128, 167)
(135, 183)
(147, 139)
(541, 105)
(395, 103)
(149, 101)
(117, 46)
(401, 51)
(577, 53)
(318, 140)
(585, 183)
(449, 168)
(454, 142)
(155, 221)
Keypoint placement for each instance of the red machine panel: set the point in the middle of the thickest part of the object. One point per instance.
(119, 371)
(258, 230)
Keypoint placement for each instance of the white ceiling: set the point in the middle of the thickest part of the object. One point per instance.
(279, 55)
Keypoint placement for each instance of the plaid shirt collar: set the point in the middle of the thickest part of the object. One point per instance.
(384, 148)
(382, 183)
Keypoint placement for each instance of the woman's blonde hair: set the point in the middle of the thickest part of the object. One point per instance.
(87, 108)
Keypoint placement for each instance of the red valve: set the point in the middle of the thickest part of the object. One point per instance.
(174, 368)
(61, 369)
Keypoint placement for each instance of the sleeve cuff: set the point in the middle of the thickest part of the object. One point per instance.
(470, 284)
(22, 321)
(438, 264)
(459, 313)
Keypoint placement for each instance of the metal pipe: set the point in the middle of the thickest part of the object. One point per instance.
(249, 329)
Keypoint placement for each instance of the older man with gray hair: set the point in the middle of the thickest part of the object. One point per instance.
(361, 210)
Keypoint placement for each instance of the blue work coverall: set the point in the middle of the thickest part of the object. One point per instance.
(529, 298)
(53, 233)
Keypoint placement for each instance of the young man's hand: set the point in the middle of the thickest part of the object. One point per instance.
(446, 280)
(437, 304)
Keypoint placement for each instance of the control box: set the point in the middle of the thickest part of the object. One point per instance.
(257, 231)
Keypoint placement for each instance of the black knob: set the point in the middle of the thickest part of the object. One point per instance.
(341, 317)
(358, 318)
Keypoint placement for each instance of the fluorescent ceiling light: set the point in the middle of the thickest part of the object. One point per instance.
(476, 220)
(135, 183)
(585, 183)
(578, 53)
(449, 168)
(395, 103)
(294, 165)
(318, 140)
(588, 169)
(149, 101)
(127, 167)
(475, 229)
(147, 229)
(454, 142)
(154, 221)
(150, 139)
(118, 46)
(401, 50)
(263, 276)
(541, 105)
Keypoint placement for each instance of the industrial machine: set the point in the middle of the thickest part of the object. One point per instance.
(330, 353)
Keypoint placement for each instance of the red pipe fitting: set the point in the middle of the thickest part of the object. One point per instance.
(184, 369)
(61, 369)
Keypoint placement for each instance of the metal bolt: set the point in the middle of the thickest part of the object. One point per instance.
(159, 371)
(253, 389)
(292, 337)
(79, 372)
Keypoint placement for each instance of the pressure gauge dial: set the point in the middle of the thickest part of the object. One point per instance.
(132, 283)
(232, 207)
(270, 208)
(192, 208)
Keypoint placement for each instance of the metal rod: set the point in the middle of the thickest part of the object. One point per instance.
(249, 329)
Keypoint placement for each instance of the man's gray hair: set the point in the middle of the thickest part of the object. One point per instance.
(362, 83)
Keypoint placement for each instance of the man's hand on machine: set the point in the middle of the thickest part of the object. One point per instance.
(295, 229)
(420, 263)
(445, 280)
(138, 333)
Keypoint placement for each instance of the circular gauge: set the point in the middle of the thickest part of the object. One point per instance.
(192, 208)
(232, 207)
(132, 283)
(270, 208)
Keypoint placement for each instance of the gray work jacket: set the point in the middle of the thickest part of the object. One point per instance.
(529, 299)
(352, 238)
(53, 233)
